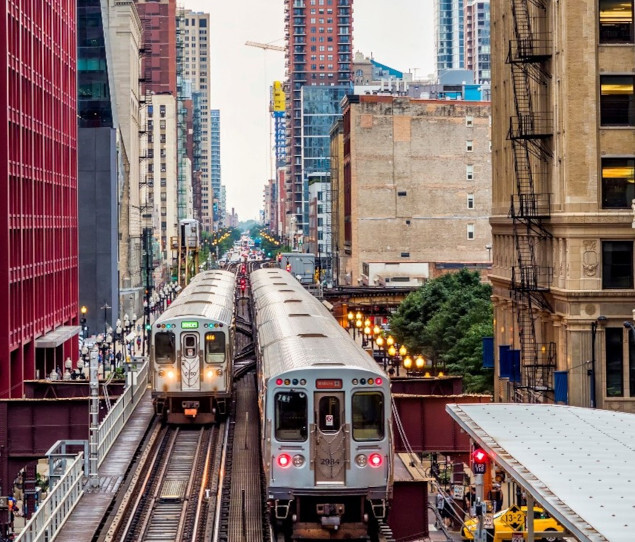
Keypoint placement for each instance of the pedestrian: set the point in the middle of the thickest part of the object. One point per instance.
(138, 343)
(440, 503)
(496, 496)
(470, 500)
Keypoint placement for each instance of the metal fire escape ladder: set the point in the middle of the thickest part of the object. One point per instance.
(530, 132)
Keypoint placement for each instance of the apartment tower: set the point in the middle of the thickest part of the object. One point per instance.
(319, 35)
(563, 202)
(449, 34)
(194, 71)
(477, 39)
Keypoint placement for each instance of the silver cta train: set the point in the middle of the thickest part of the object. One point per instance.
(325, 404)
(192, 351)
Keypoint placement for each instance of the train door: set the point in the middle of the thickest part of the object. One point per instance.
(190, 363)
(331, 444)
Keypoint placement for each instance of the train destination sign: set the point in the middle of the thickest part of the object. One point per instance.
(189, 325)
(328, 384)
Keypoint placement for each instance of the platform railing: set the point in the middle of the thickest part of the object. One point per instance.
(116, 419)
(62, 498)
(59, 503)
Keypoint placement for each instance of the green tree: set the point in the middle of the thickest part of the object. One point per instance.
(445, 320)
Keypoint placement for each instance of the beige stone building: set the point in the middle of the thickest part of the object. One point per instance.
(411, 188)
(122, 33)
(162, 172)
(563, 149)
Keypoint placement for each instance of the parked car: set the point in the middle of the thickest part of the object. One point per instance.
(502, 524)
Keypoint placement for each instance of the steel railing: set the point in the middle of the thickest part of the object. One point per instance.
(62, 498)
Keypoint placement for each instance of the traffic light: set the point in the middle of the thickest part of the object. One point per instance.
(243, 284)
(479, 456)
(148, 327)
(480, 459)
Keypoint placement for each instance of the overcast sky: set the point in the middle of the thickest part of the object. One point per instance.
(397, 32)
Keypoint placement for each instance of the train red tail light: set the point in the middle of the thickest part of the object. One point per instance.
(284, 460)
(375, 460)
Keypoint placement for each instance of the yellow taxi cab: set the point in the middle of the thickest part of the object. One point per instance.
(512, 520)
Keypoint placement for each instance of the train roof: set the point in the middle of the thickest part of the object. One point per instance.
(295, 331)
(209, 295)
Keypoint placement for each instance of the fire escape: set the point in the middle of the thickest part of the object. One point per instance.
(530, 133)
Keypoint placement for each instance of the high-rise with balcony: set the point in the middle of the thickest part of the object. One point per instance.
(39, 232)
(194, 71)
(477, 39)
(449, 34)
(319, 36)
(215, 169)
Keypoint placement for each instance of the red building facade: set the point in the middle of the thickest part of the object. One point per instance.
(38, 200)
(159, 41)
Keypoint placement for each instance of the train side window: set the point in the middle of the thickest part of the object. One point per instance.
(329, 414)
(291, 416)
(164, 351)
(214, 347)
(368, 416)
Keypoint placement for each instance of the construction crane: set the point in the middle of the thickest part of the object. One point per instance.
(265, 46)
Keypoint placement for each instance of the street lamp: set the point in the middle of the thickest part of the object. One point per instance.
(591, 371)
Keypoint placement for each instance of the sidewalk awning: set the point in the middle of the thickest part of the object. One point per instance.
(130, 337)
(56, 337)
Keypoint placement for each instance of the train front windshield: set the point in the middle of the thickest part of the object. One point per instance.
(164, 348)
(291, 416)
(368, 416)
(214, 347)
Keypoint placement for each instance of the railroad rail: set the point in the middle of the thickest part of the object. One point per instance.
(171, 500)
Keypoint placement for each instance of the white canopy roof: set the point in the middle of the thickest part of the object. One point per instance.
(578, 463)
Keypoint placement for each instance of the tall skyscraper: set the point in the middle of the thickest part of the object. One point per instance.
(562, 211)
(477, 39)
(449, 30)
(194, 71)
(158, 161)
(319, 36)
(39, 257)
(215, 169)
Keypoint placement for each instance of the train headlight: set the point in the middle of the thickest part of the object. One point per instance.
(361, 460)
(375, 460)
(210, 373)
(170, 374)
(298, 460)
(161, 373)
(284, 460)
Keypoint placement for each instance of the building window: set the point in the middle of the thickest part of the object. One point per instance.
(470, 232)
(614, 362)
(469, 172)
(469, 121)
(470, 201)
(616, 21)
(469, 145)
(162, 125)
(616, 100)
(618, 183)
(617, 265)
(162, 111)
(405, 254)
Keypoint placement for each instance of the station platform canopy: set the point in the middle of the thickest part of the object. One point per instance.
(577, 463)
